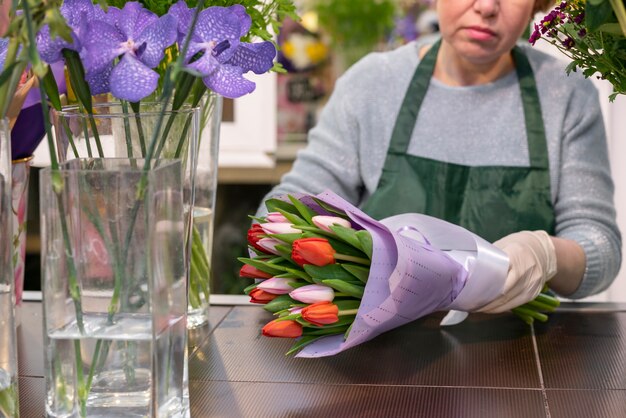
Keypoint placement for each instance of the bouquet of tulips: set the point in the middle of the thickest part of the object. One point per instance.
(334, 277)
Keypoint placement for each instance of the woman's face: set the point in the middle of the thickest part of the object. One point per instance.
(481, 31)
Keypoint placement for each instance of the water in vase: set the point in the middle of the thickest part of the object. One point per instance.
(121, 364)
(200, 274)
(8, 381)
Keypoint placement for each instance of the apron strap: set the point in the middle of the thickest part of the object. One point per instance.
(405, 122)
(535, 132)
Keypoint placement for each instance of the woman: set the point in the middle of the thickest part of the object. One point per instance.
(483, 133)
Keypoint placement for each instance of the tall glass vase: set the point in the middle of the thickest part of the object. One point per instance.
(114, 288)
(203, 212)
(8, 351)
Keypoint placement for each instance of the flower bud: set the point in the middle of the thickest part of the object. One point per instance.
(325, 222)
(259, 296)
(276, 217)
(276, 286)
(279, 228)
(316, 251)
(269, 245)
(313, 293)
(283, 329)
(253, 272)
(321, 313)
(255, 233)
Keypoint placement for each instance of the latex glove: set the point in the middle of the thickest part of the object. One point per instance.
(532, 262)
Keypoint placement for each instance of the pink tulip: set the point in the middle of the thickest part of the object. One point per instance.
(276, 286)
(269, 245)
(313, 293)
(279, 228)
(276, 217)
(325, 222)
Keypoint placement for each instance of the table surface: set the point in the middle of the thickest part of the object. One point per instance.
(488, 366)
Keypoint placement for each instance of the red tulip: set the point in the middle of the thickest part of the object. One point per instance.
(321, 313)
(316, 251)
(260, 296)
(255, 233)
(253, 273)
(283, 329)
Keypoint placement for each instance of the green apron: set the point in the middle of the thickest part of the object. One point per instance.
(491, 201)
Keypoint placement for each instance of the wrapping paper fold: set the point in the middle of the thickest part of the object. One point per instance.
(420, 265)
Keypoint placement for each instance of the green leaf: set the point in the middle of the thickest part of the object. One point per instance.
(306, 212)
(292, 218)
(347, 304)
(183, 88)
(345, 287)
(360, 272)
(331, 209)
(347, 234)
(285, 251)
(365, 238)
(52, 90)
(340, 246)
(7, 73)
(301, 343)
(250, 288)
(263, 265)
(328, 272)
(279, 303)
(273, 205)
(303, 275)
(597, 13)
(612, 28)
(77, 78)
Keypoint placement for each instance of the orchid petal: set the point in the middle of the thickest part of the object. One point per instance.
(102, 46)
(217, 24)
(183, 15)
(75, 11)
(131, 80)
(229, 82)
(205, 65)
(99, 83)
(244, 19)
(50, 49)
(133, 19)
(158, 35)
(256, 57)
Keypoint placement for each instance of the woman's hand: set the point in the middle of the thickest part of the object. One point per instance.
(532, 262)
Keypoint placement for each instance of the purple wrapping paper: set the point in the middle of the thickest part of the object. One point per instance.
(409, 277)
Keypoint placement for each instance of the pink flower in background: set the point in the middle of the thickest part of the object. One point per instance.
(313, 293)
(325, 222)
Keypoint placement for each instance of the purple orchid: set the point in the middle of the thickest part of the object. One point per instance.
(77, 14)
(223, 58)
(136, 35)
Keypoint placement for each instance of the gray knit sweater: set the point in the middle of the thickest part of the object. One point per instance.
(476, 125)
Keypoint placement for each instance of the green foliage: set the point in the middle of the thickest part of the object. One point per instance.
(356, 26)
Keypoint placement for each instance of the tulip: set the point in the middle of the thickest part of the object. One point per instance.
(313, 293)
(316, 251)
(269, 245)
(253, 273)
(283, 329)
(259, 296)
(325, 222)
(279, 228)
(255, 233)
(321, 313)
(276, 217)
(276, 286)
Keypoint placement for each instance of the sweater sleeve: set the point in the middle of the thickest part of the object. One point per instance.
(584, 205)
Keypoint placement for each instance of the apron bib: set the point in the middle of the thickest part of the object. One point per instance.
(491, 201)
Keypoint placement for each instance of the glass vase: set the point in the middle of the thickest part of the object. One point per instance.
(204, 212)
(8, 350)
(19, 207)
(114, 288)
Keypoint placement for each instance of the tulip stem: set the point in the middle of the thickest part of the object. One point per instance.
(354, 259)
(347, 312)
